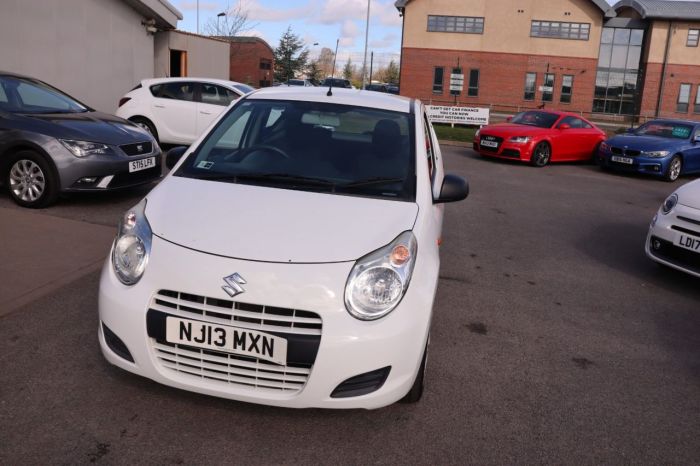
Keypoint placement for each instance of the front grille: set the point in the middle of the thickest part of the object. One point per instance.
(140, 148)
(231, 369)
(251, 316)
(686, 230)
(302, 330)
(689, 220)
(616, 150)
(627, 152)
(129, 179)
(511, 153)
(671, 253)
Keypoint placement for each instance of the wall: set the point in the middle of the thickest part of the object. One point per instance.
(206, 57)
(94, 50)
(245, 62)
(506, 30)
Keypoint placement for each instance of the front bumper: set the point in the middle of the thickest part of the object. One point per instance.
(348, 347)
(505, 150)
(664, 234)
(640, 164)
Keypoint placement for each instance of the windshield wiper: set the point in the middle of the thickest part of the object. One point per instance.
(372, 181)
(283, 177)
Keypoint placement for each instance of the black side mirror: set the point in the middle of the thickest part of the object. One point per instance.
(174, 155)
(454, 188)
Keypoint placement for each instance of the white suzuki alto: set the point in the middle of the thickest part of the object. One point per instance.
(291, 256)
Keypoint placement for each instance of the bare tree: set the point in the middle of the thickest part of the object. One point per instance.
(325, 61)
(234, 22)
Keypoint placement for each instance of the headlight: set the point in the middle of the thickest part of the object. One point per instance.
(604, 147)
(520, 139)
(669, 204)
(85, 148)
(379, 280)
(132, 246)
(655, 153)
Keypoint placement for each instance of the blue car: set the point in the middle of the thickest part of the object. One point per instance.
(663, 148)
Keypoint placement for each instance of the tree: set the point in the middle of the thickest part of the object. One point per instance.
(291, 56)
(231, 24)
(325, 61)
(348, 69)
(391, 74)
(315, 72)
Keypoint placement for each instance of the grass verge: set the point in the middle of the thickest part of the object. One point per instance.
(458, 133)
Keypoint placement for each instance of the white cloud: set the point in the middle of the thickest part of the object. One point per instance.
(389, 40)
(335, 11)
(191, 5)
(258, 12)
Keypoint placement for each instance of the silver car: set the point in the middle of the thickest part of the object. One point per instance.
(50, 144)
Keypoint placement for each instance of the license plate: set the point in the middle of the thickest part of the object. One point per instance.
(489, 143)
(617, 158)
(227, 339)
(688, 242)
(141, 164)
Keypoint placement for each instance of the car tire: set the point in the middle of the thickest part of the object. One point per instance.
(541, 155)
(31, 181)
(675, 167)
(416, 392)
(146, 124)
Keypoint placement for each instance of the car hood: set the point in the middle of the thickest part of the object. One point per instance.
(271, 224)
(86, 126)
(644, 143)
(510, 129)
(689, 194)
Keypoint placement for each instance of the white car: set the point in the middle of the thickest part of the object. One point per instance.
(674, 234)
(291, 256)
(178, 110)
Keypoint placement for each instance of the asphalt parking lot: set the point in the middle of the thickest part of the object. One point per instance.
(554, 340)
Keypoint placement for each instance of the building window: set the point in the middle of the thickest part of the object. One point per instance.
(693, 36)
(437, 79)
(617, 87)
(567, 88)
(473, 90)
(559, 30)
(265, 64)
(530, 80)
(463, 24)
(683, 98)
(696, 108)
(548, 89)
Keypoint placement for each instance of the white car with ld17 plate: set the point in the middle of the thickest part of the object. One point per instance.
(291, 256)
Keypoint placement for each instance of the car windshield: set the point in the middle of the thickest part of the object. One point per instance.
(296, 82)
(664, 129)
(339, 149)
(535, 118)
(21, 95)
(244, 88)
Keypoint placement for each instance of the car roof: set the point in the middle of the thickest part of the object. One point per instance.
(222, 82)
(674, 121)
(339, 95)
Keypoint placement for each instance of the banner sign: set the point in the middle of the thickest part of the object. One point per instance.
(460, 115)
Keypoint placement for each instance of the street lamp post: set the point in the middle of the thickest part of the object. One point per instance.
(218, 17)
(364, 63)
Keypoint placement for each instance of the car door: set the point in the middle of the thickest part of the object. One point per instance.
(691, 156)
(573, 140)
(436, 174)
(212, 100)
(175, 112)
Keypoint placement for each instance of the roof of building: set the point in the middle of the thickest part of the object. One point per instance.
(602, 4)
(662, 9)
(187, 33)
(246, 40)
(162, 12)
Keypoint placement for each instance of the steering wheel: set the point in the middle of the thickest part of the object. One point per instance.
(264, 147)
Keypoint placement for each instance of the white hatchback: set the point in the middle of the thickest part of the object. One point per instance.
(178, 110)
(291, 256)
(674, 234)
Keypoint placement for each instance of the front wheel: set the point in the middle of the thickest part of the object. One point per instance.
(31, 181)
(674, 169)
(541, 155)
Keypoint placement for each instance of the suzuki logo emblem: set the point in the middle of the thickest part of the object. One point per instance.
(233, 285)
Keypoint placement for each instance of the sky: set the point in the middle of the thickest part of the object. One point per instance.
(315, 21)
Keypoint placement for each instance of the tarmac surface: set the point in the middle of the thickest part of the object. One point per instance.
(554, 340)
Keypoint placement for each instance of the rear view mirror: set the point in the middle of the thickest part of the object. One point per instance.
(174, 155)
(454, 188)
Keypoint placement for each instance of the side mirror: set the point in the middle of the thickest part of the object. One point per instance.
(454, 188)
(174, 155)
(629, 130)
(508, 119)
(564, 126)
(696, 138)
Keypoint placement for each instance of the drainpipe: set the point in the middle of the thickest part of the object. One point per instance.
(402, 13)
(663, 71)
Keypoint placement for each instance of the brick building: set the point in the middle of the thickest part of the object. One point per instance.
(577, 55)
(252, 61)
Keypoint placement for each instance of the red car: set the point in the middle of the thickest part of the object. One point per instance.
(540, 137)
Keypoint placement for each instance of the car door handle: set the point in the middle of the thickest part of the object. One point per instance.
(204, 113)
(159, 106)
